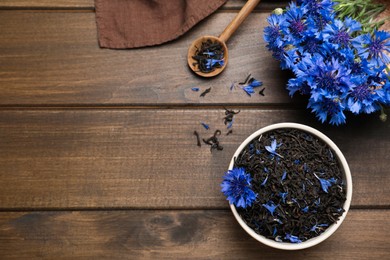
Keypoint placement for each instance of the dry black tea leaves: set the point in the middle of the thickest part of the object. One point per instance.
(209, 56)
(204, 93)
(261, 92)
(299, 185)
(214, 142)
(228, 119)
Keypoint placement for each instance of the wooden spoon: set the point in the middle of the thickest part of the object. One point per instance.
(222, 39)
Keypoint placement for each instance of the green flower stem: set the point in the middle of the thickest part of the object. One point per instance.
(364, 11)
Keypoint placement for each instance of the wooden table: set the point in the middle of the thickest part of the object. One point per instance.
(97, 153)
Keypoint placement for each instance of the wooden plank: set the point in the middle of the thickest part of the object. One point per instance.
(53, 58)
(90, 4)
(263, 5)
(130, 158)
(174, 235)
(47, 4)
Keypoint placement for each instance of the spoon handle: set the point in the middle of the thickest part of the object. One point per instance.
(240, 17)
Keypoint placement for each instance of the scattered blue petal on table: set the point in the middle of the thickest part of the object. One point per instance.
(250, 88)
(206, 126)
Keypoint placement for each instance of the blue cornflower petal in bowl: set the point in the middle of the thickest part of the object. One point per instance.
(316, 185)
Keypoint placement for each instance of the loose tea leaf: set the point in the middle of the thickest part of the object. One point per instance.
(205, 92)
(299, 185)
(214, 142)
(261, 92)
(228, 119)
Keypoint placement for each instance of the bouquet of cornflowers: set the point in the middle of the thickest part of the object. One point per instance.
(336, 60)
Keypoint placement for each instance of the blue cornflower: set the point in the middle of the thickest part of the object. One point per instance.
(314, 45)
(283, 195)
(270, 206)
(296, 23)
(272, 148)
(298, 84)
(386, 89)
(236, 186)
(318, 226)
(359, 67)
(276, 30)
(212, 63)
(288, 57)
(363, 96)
(324, 104)
(374, 48)
(265, 181)
(253, 83)
(325, 184)
(293, 239)
(291, 58)
(319, 14)
(206, 126)
(326, 59)
(344, 55)
(252, 148)
(340, 33)
(230, 124)
(249, 90)
(322, 75)
(317, 7)
(284, 175)
(305, 209)
(275, 231)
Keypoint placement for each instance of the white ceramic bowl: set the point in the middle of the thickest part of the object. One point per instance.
(347, 178)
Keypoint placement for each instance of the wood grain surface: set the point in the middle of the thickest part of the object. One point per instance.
(61, 64)
(97, 154)
(90, 4)
(148, 158)
(47, 4)
(150, 234)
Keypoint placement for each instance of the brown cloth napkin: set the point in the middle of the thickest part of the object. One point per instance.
(136, 23)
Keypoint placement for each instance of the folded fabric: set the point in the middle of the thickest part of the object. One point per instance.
(125, 24)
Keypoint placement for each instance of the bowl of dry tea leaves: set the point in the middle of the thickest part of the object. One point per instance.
(289, 186)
